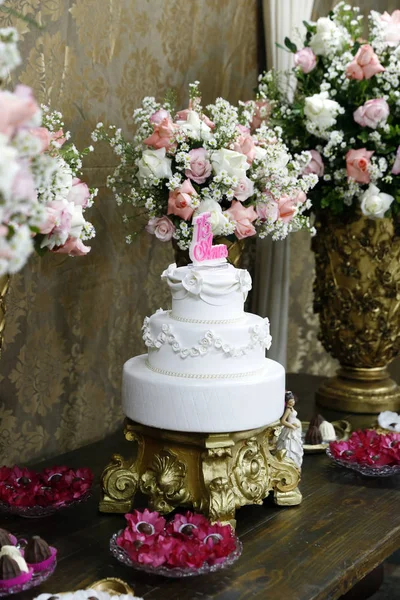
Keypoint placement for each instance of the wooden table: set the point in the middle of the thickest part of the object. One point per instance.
(346, 526)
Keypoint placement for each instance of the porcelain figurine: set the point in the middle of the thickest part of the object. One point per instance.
(290, 436)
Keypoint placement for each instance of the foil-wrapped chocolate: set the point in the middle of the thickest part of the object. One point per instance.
(9, 568)
(5, 538)
(37, 550)
(313, 436)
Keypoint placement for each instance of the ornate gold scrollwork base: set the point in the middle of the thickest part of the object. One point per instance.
(214, 474)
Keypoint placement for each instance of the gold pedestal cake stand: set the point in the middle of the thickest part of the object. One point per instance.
(212, 473)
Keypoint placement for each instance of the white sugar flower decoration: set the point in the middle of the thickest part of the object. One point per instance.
(193, 282)
(169, 272)
(389, 420)
(244, 279)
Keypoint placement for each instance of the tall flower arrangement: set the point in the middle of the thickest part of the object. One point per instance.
(221, 159)
(345, 110)
(41, 198)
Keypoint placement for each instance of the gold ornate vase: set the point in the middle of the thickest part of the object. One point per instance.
(357, 296)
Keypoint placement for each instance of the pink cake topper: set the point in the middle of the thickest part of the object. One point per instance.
(201, 248)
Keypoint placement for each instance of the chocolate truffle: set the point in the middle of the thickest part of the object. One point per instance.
(316, 421)
(313, 436)
(9, 568)
(328, 432)
(37, 550)
(5, 538)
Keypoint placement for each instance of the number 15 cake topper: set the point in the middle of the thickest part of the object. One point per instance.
(201, 249)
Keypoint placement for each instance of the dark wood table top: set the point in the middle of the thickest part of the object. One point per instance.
(345, 527)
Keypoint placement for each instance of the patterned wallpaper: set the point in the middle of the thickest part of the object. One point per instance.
(72, 323)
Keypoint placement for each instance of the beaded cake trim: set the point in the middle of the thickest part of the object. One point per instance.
(206, 322)
(200, 376)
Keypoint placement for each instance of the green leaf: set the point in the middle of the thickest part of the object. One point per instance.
(281, 47)
(310, 28)
(355, 48)
(37, 240)
(289, 44)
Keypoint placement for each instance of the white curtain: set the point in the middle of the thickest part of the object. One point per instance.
(272, 273)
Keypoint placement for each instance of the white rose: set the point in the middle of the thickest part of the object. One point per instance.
(244, 279)
(193, 282)
(77, 221)
(375, 203)
(326, 35)
(154, 164)
(195, 127)
(20, 247)
(218, 219)
(260, 154)
(321, 110)
(9, 167)
(234, 163)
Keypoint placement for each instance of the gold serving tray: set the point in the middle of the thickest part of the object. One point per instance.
(342, 429)
(111, 585)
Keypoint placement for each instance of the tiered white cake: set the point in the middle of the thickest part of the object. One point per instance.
(205, 370)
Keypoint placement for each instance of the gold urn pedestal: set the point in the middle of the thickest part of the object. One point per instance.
(212, 473)
(360, 390)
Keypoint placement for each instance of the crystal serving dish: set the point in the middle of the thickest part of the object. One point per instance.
(368, 470)
(122, 556)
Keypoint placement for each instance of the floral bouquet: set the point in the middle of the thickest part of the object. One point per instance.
(41, 198)
(220, 159)
(345, 110)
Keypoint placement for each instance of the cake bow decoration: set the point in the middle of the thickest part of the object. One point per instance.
(201, 250)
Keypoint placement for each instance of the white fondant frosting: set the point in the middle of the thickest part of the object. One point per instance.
(190, 348)
(195, 289)
(205, 370)
(203, 405)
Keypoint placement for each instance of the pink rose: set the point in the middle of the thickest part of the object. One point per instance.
(245, 145)
(58, 218)
(23, 187)
(244, 218)
(79, 193)
(58, 136)
(305, 59)
(182, 115)
(161, 227)
(179, 201)
(364, 64)
(73, 247)
(357, 162)
(392, 27)
(244, 189)
(316, 164)
(261, 114)
(287, 208)
(200, 166)
(159, 116)
(300, 197)
(268, 210)
(372, 114)
(354, 71)
(43, 135)
(162, 136)
(396, 165)
(16, 109)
